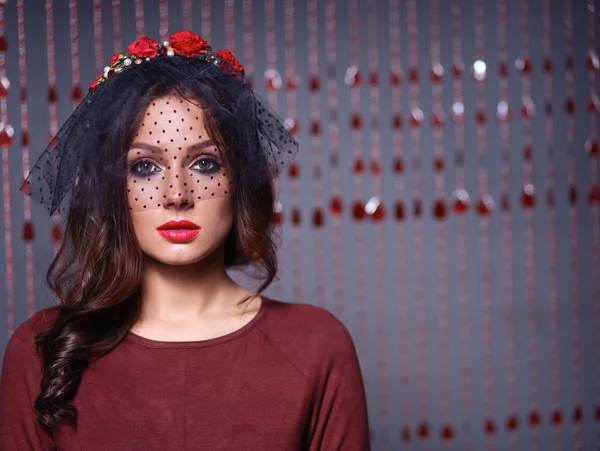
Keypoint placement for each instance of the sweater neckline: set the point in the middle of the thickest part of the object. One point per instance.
(131, 336)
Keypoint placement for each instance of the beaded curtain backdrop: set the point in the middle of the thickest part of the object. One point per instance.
(445, 204)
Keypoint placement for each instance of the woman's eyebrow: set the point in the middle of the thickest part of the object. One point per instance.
(197, 146)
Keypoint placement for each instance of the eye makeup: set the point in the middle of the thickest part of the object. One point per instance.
(204, 165)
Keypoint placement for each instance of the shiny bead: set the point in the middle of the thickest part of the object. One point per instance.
(479, 70)
(413, 75)
(512, 423)
(416, 117)
(437, 72)
(296, 217)
(524, 65)
(527, 108)
(399, 211)
(573, 194)
(165, 43)
(355, 121)
(28, 232)
(485, 205)
(373, 78)
(138, 61)
(318, 218)
(438, 119)
(489, 427)
(593, 105)
(294, 170)
(336, 205)
(480, 117)
(6, 134)
(76, 93)
(358, 166)
(127, 62)
(170, 53)
(291, 82)
(557, 418)
(527, 196)
(457, 70)
(592, 61)
(577, 414)
(534, 418)
(594, 195)
(315, 128)
(398, 165)
(56, 233)
(358, 211)
(503, 69)
(447, 433)
(570, 105)
(291, 125)
(591, 147)
(4, 85)
(460, 201)
(352, 77)
(423, 430)
(439, 209)
(503, 111)
(458, 112)
(272, 80)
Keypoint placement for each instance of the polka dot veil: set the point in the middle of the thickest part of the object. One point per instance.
(173, 130)
(173, 159)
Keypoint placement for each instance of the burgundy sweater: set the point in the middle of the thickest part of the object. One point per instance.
(287, 380)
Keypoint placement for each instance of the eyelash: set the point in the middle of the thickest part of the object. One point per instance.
(215, 168)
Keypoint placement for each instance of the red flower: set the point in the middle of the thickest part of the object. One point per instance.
(228, 56)
(187, 43)
(95, 82)
(114, 58)
(143, 47)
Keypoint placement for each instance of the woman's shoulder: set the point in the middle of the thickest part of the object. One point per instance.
(301, 312)
(312, 324)
(36, 323)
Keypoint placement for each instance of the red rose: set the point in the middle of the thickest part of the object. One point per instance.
(143, 47)
(114, 58)
(187, 43)
(228, 56)
(95, 83)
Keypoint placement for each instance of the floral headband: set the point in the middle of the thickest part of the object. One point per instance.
(184, 43)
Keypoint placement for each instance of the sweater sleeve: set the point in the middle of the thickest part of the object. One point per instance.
(340, 421)
(19, 386)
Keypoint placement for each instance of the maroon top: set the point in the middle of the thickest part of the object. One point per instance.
(287, 380)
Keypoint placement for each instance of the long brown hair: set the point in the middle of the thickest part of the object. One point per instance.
(96, 273)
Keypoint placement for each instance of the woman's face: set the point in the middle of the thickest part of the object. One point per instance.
(175, 173)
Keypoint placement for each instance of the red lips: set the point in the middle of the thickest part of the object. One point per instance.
(178, 231)
(183, 224)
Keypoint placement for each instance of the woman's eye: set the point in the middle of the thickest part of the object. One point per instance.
(142, 168)
(207, 165)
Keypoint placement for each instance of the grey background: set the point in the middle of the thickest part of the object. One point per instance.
(386, 431)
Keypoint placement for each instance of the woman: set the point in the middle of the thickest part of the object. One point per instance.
(164, 174)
